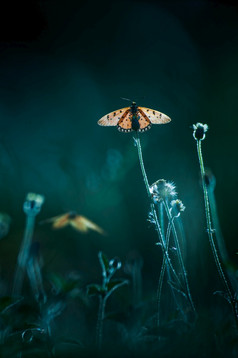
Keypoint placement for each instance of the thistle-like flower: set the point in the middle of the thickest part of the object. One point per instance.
(162, 190)
(176, 208)
(33, 204)
(199, 131)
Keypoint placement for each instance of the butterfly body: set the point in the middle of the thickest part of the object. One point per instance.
(135, 125)
(134, 118)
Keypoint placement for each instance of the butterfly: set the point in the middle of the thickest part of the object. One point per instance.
(78, 222)
(133, 118)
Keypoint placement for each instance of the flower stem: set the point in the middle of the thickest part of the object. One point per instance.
(101, 315)
(184, 273)
(142, 165)
(210, 232)
(23, 255)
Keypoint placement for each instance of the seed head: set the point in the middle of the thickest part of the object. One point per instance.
(176, 208)
(199, 131)
(33, 204)
(162, 190)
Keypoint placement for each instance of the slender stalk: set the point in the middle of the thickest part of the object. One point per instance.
(101, 315)
(162, 272)
(184, 273)
(142, 165)
(161, 277)
(23, 255)
(31, 207)
(35, 277)
(161, 218)
(220, 240)
(181, 234)
(210, 232)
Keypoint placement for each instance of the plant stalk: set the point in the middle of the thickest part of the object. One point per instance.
(210, 232)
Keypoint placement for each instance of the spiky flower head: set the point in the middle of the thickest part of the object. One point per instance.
(33, 204)
(199, 131)
(176, 208)
(162, 190)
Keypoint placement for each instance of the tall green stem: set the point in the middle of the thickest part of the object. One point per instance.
(142, 165)
(210, 232)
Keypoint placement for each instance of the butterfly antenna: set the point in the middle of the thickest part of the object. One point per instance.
(136, 98)
(126, 99)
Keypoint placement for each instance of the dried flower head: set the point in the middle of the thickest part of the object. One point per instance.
(176, 208)
(162, 190)
(33, 203)
(199, 131)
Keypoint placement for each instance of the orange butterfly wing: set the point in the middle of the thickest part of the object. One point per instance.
(125, 124)
(155, 117)
(59, 221)
(112, 119)
(82, 224)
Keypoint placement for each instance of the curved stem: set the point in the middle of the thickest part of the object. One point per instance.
(23, 255)
(184, 273)
(142, 164)
(161, 277)
(210, 232)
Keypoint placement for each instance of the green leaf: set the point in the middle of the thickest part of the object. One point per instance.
(104, 263)
(63, 285)
(95, 289)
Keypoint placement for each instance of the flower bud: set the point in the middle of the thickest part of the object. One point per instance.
(176, 208)
(199, 131)
(33, 203)
(114, 264)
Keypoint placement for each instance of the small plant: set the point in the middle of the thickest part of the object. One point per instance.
(160, 194)
(32, 207)
(104, 290)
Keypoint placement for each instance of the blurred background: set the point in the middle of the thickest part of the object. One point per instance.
(65, 64)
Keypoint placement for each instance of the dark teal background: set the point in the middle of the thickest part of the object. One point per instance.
(65, 64)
